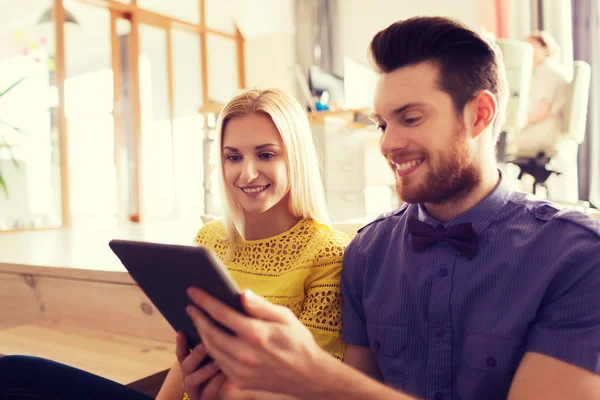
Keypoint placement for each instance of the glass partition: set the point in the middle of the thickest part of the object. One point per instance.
(132, 78)
(30, 183)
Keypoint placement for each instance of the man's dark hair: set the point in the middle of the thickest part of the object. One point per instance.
(467, 62)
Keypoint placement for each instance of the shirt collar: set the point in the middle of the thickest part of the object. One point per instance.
(480, 215)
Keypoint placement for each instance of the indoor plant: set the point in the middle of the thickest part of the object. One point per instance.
(3, 143)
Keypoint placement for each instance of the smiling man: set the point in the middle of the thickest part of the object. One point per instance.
(468, 291)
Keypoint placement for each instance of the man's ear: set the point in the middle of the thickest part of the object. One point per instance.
(484, 108)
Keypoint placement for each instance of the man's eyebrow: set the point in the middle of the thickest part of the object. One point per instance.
(399, 110)
(407, 106)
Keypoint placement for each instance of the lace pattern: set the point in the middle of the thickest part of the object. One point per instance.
(299, 269)
(305, 245)
(322, 308)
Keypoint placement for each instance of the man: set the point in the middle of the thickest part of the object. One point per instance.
(469, 291)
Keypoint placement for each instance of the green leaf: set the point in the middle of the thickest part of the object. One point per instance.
(5, 145)
(12, 127)
(11, 86)
(3, 185)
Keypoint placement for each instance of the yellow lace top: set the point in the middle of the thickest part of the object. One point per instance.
(299, 269)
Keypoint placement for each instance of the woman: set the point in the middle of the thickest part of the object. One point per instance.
(274, 238)
(547, 100)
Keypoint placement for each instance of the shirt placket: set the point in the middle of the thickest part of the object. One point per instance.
(439, 357)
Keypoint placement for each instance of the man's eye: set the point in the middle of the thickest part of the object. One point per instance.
(412, 121)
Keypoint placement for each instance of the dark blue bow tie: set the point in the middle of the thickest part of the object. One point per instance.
(462, 237)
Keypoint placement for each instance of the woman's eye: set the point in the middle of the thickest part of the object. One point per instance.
(266, 156)
(381, 127)
(233, 157)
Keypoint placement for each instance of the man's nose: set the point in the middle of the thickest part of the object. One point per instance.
(393, 140)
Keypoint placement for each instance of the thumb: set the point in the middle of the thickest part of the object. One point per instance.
(181, 348)
(258, 307)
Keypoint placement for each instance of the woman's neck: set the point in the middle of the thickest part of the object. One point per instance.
(269, 223)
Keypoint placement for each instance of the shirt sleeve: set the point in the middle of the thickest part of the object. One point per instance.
(567, 325)
(355, 330)
(322, 306)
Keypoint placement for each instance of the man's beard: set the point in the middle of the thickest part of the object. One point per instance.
(456, 176)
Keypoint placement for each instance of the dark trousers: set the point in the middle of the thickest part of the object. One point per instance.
(24, 377)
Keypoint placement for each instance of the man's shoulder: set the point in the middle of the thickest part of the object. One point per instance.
(382, 219)
(579, 220)
(568, 220)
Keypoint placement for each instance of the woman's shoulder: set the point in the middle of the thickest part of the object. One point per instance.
(210, 231)
(327, 243)
(327, 234)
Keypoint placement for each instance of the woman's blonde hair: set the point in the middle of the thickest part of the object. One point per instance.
(307, 194)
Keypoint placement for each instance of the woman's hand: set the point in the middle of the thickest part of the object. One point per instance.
(199, 383)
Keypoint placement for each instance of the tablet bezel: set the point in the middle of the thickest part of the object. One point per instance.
(178, 267)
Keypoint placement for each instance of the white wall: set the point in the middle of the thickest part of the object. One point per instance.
(360, 20)
(268, 30)
(519, 23)
(270, 61)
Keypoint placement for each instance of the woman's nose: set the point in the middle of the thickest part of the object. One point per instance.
(249, 171)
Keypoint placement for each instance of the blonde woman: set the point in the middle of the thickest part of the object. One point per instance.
(275, 238)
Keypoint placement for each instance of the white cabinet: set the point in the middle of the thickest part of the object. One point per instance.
(350, 165)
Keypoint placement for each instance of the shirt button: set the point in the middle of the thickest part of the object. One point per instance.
(542, 210)
(438, 396)
(439, 332)
(491, 362)
(377, 345)
(443, 272)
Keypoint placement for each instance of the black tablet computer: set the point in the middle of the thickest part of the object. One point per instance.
(164, 272)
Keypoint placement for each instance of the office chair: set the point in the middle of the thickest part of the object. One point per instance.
(517, 56)
(541, 165)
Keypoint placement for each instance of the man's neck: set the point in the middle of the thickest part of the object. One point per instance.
(447, 211)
